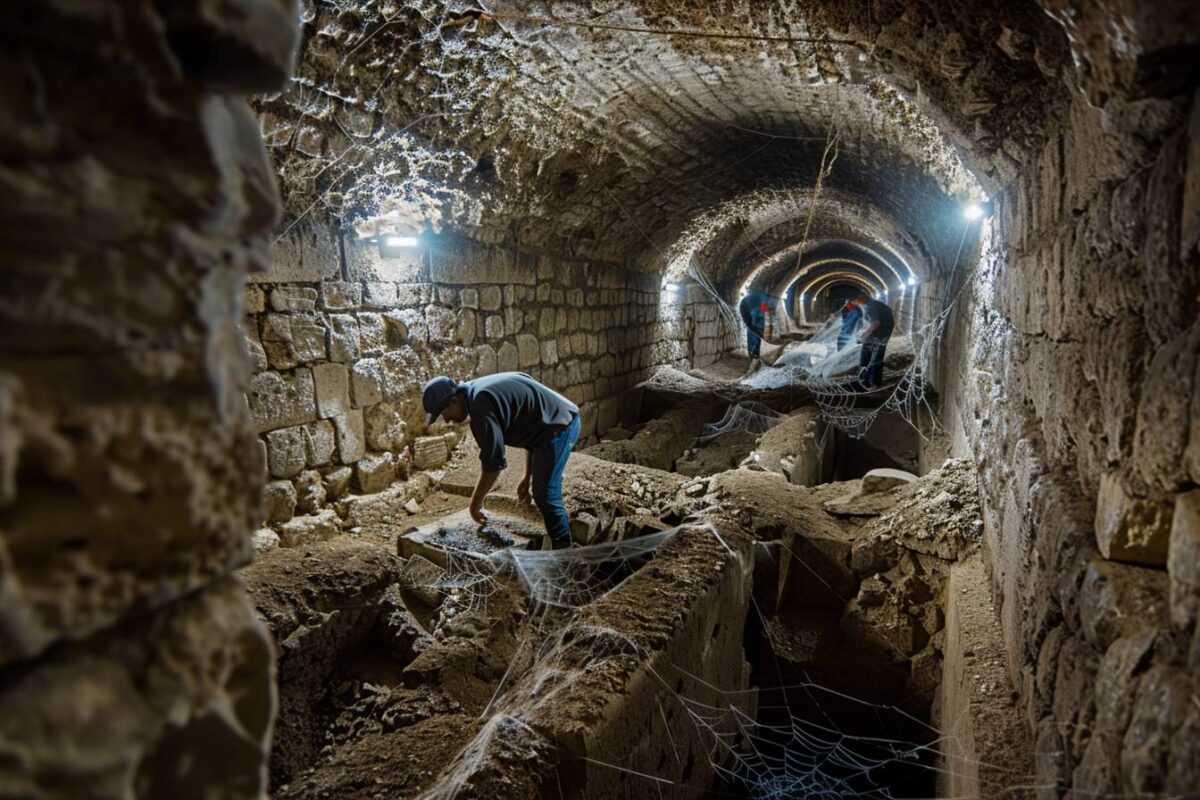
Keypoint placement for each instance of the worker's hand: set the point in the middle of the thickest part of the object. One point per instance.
(477, 512)
(523, 490)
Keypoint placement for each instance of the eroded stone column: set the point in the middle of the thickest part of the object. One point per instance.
(136, 194)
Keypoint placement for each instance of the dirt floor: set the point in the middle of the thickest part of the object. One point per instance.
(407, 638)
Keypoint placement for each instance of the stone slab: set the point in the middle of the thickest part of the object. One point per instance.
(457, 535)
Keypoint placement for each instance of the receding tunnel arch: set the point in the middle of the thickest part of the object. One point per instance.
(755, 239)
(821, 298)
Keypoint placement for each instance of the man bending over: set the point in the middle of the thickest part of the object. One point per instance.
(511, 408)
(874, 338)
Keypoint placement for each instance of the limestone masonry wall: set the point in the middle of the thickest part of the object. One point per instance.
(1077, 389)
(341, 340)
(136, 194)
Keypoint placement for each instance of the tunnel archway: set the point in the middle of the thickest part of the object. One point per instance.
(207, 372)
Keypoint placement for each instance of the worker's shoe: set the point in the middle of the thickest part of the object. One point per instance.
(560, 545)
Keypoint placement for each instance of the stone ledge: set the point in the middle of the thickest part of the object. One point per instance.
(987, 751)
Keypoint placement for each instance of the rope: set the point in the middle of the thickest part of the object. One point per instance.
(827, 162)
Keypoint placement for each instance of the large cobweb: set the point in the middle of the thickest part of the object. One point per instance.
(781, 752)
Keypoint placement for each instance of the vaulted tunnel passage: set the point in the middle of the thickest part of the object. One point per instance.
(241, 234)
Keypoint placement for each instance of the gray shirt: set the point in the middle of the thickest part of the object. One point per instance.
(511, 408)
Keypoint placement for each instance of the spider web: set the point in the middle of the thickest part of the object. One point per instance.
(782, 752)
(749, 416)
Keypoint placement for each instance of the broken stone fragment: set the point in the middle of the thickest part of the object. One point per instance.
(883, 479)
(399, 631)
(630, 527)
(279, 501)
(412, 506)
(264, 539)
(307, 529)
(337, 482)
(310, 491)
(375, 472)
(858, 504)
(1129, 528)
(429, 452)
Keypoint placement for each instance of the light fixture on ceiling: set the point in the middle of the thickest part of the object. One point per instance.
(973, 212)
(397, 245)
(912, 280)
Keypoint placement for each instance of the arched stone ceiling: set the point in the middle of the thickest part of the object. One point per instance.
(755, 238)
(788, 268)
(610, 142)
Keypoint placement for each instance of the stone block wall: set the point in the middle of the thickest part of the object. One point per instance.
(1074, 381)
(342, 339)
(136, 195)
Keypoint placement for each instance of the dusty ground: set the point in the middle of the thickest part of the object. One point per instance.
(392, 649)
(718, 455)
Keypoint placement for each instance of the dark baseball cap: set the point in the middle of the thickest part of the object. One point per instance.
(436, 395)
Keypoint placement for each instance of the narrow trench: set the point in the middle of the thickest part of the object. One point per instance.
(840, 708)
(824, 700)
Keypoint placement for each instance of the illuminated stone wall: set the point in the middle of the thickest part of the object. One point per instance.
(342, 340)
(1073, 379)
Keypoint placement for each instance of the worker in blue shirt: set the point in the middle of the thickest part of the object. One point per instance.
(851, 315)
(512, 409)
(880, 322)
(755, 309)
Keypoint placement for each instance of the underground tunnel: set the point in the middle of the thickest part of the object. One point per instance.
(863, 340)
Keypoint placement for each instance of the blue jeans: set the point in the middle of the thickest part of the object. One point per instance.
(547, 463)
(871, 362)
(753, 342)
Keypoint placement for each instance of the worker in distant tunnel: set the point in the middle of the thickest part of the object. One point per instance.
(851, 314)
(512, 409)
(755, 309)
(879, 321)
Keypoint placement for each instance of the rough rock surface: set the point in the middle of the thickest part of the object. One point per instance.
(138, 194)
(562, 167)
